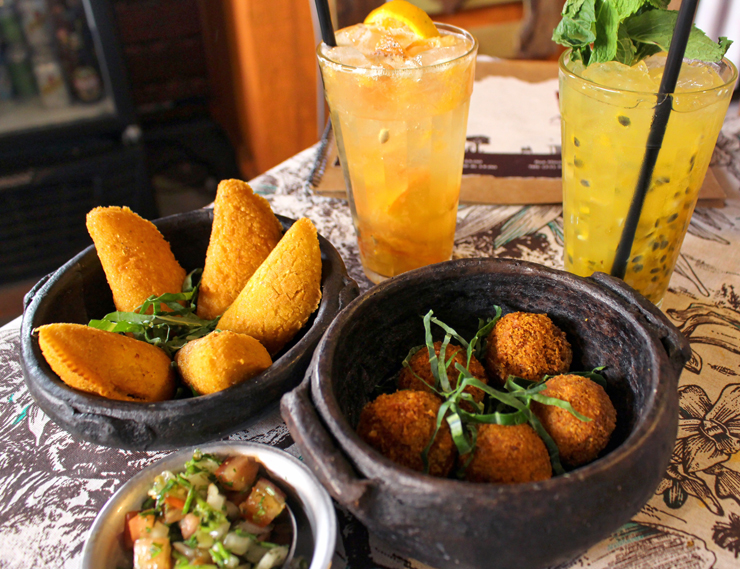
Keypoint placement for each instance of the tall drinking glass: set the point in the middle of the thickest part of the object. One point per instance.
(606, 114)
(400, 136)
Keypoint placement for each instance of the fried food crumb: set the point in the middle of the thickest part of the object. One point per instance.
(579, 441)
(418, 375)
(508, 454)
(400, 426)
(526, 345)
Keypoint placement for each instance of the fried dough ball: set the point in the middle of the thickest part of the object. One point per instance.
(221, 359)
(526, 345)
(244, 232)
(137, 261)
(282, 293)
(107, 364)
(400, 426)
(508, 454)
(419, 366)
(579, 441)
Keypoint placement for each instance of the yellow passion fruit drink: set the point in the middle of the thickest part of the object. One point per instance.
(607, 107)
(398, 88)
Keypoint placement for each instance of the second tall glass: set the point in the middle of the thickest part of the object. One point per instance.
(400, 137)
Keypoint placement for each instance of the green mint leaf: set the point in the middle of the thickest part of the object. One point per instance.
(626, 8)
(607, 26)
(656, 27)
(626, 49)
(660, 4)
(577, 28)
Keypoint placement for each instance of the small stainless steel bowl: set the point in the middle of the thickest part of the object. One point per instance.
(310, 503)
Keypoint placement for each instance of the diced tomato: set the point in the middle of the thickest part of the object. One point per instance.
(173, 509)
(264, 504)
(137, 526)
(189, 525)
(237, 472)
(152, 553)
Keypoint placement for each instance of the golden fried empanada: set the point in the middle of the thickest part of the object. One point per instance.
(221, 359)
(109, 364)
(244, 232)
(137, 260)
(283, 291)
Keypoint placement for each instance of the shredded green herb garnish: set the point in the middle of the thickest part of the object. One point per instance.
(169, 328)
(509, 407)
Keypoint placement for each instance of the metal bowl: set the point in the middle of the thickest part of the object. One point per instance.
(78, 291)
(451, 524)
(310, 503)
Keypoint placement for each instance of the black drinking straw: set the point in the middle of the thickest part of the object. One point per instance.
(657, 132)
(327, 30)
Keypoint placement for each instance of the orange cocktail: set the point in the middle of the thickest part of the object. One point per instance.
(399, 108)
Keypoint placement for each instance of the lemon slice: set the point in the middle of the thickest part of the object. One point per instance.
(400, 13)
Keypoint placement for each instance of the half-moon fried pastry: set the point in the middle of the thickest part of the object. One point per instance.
(244, 232)
(283, 291)
(108, 364)
(221, 359)
(137, 260)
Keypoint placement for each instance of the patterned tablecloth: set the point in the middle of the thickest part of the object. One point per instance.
(52, 486)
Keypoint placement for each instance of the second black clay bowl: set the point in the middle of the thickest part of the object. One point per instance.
(452, 524)
(78, 291)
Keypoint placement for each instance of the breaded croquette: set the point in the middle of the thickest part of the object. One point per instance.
(219, 360)
(508, 454)
(400, 426)
(137, 260)
(419, 376)
(108, 364)
(244, 232)
(283, 291)
(526, 345)
(579, 441)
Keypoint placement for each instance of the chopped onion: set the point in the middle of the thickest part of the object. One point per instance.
(159, 530)
(236, 543)
(215, 499)
(198, 480)
(273, 557)
(204, 539)
(219, 532)
(232, 510)
(254, 529)
(188, 552)
(255, 553)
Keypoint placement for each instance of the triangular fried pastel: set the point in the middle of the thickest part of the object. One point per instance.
(221, 359)
(106, 363)
(244, 232)
(137, 260)
(283, 291)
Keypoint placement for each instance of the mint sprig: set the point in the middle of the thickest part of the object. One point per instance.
(627, 31)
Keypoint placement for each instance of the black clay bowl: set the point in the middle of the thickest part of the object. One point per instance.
(78, 292)
(449, 523)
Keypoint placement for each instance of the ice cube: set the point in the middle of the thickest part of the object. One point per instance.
(442, 54)
(616, 75)
(348, 56)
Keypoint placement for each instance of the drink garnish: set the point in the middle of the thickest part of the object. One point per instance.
(402, 14)
(627, 31)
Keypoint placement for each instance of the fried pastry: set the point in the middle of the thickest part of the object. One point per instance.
(137, 261)
(221, 359)
(244, 232)
(108, 364)
(283, 291)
